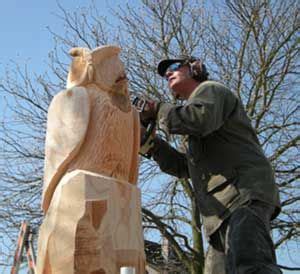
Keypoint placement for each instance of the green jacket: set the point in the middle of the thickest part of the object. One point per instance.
(224, 159)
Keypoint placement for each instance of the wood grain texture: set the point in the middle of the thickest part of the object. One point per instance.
(93, 126)
(91, 203)
(93, 224)
(68, 119)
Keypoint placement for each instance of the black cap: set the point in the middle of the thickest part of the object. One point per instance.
(164, 64)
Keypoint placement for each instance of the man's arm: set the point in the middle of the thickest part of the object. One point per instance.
(169, 159)
(206, 111)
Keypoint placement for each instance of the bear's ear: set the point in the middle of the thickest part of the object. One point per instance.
(80, 72)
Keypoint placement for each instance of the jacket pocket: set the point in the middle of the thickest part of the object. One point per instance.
(222, 189)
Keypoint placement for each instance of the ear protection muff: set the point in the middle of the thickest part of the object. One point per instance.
(198, 70)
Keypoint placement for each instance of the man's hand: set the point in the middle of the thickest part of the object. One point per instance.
(146, 142)
(149, 112)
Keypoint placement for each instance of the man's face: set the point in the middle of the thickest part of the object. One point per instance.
(179, 78)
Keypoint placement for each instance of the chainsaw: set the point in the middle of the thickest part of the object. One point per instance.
(141, 105)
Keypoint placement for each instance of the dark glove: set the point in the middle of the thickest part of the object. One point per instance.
(146, 142)
(149, 112)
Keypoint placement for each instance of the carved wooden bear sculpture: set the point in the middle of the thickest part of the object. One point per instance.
(92, 206)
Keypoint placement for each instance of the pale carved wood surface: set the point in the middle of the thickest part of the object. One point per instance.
(68, 119)
(93, 213)
(110, 143)
(89, 133)
(93, 225)
(94, 124)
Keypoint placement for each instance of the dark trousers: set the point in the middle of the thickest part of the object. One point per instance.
(242, 245)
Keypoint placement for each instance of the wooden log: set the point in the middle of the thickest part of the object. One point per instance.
(93, 226)
(92, 206)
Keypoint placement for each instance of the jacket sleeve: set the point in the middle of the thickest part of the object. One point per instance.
(169, 159)
(205, 111)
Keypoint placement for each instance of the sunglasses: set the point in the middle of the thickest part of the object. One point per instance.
(174, 67)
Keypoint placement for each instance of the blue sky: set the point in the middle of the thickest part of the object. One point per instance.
(23, 27)
(24, 37)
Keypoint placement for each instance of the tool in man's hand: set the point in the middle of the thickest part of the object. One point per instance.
(142, 105)
(139, 103)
